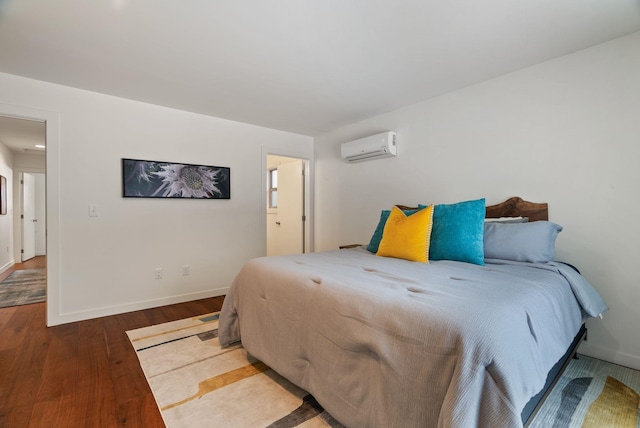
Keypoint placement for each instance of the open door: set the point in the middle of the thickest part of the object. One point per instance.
(28, 216)
(286, 214)
(291, 207)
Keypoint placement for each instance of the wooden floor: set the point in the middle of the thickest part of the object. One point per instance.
(83, 374)
(36, 262)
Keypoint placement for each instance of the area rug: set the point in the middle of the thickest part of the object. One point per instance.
(23, 287)
(198, 384)
(592, 394)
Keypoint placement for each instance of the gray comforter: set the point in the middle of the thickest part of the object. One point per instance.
(382, 342)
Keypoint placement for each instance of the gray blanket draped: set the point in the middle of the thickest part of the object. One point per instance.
(383, 342)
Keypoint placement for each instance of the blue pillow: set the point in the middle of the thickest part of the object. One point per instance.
(523, 242)
(458, 232)
(377, 234)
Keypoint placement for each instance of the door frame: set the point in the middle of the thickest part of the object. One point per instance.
(52, 177)
(303, 248)
(307, 190)
(17, 211)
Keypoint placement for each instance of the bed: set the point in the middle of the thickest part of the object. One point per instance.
(387, 342)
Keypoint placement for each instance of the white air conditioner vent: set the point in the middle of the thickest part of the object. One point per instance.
(373, 147)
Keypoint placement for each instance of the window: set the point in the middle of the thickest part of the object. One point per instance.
(273, 188)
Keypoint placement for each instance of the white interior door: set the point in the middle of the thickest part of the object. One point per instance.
(41, 214)
(28, 217)
(289, 234)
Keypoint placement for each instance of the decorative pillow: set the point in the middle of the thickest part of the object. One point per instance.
(407, 237)
(458, 232)
(377, 234)
(523, 242)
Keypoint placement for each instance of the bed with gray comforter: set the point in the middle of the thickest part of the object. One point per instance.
(383, 342)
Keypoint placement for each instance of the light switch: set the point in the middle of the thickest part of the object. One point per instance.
(93, 211)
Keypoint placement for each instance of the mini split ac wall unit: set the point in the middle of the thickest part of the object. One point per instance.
(370, 148)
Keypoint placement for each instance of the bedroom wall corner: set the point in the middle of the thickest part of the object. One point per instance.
(563, 132)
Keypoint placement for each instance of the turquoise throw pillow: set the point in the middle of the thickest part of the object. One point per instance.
(377, 234)
(458, 232)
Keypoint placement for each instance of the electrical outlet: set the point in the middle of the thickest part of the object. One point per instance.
(158, 273)
(186, 270)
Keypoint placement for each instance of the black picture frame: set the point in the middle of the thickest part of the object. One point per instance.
(157, 179)
(3, 195)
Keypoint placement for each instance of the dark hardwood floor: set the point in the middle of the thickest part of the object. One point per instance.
(82, 374)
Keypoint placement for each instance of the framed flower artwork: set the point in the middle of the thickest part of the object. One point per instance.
(154, 179)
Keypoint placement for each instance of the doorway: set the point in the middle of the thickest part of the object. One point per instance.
(287, 226)
(33, 215)
(51, 119)
(25, 138)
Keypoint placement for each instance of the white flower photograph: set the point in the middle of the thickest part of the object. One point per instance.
(152, 179)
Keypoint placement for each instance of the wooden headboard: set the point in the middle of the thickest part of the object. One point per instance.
(512, 207)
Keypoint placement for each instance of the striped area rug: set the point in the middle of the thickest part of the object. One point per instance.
(23, 287)
(592, 394)
(198, 384)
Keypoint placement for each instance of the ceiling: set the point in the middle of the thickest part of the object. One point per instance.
(22, 136)
(307, 66)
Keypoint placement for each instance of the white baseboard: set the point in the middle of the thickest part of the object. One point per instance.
(610, 355)
(7, 266)
(65, 318)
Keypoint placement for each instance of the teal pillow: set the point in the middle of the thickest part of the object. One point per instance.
(377, 234)
(458, 232)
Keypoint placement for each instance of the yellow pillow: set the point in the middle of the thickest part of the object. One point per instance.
(407, 237)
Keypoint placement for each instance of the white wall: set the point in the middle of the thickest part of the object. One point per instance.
(104, 265)
(34, 163)
(6, 221)
(566, 132)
